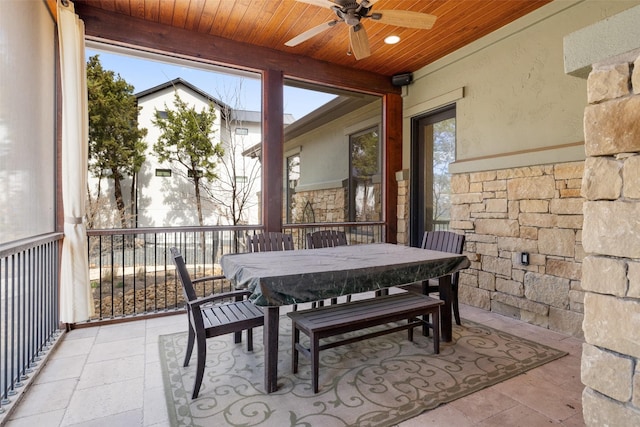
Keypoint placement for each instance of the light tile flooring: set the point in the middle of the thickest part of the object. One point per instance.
(110, 376)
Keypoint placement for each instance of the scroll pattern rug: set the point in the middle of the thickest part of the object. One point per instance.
(376, 382)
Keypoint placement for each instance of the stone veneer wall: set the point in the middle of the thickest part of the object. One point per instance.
(537, 210)
(402, 234)
(611, 270)
(328, 205)
(331, 205)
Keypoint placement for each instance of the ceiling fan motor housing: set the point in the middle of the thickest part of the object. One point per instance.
(351, 12)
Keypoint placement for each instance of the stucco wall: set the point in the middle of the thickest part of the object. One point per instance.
(324, 152)
(515, 105)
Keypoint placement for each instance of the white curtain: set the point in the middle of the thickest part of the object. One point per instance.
(75, 294)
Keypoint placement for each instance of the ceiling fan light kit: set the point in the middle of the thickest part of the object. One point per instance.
(392, 39)
(352, 13)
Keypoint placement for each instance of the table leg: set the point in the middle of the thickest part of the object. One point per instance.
(270, 339)
(444, 288)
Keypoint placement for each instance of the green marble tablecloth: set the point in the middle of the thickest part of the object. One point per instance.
(293, 277)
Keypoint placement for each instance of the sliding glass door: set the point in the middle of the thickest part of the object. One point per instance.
(433, 141)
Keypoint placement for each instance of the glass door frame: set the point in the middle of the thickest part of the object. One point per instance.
(417, 221)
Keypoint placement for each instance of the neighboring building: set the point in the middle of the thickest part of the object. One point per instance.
(164, 195)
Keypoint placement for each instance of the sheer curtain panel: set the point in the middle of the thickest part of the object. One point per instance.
(75, 296)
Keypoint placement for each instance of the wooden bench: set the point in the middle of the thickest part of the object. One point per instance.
(349, 317)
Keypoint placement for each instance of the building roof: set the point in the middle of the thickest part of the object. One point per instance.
(256, 116)
(237, 115)
(179, 81)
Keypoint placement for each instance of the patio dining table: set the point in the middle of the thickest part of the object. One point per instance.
(293, 277)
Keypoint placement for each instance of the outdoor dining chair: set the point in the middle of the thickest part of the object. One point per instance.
(327, 239)
(214, 315)
(263, 242)
(444, 241)
(269, 242)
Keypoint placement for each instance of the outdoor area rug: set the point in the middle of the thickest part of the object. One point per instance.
(377, 382)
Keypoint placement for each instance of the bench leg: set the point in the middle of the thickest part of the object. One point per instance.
(425, 325)
(315, 362)
(250, 339)
(294, 349)
(436, 331)
(410, 331)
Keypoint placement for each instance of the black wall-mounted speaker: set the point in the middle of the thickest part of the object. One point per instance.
(402, 79)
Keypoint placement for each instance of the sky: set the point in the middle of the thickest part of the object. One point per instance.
(144, 74)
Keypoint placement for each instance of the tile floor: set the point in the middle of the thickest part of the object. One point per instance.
(110, 376)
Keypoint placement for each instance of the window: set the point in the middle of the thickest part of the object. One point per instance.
(324, 139)
(197, 173)
(293, 175)
(163, 172)
(364, 177)
(241, 179)
(163, 114)
(242, 131)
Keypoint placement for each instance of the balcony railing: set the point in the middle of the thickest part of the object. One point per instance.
(29, 316)
(132, 274)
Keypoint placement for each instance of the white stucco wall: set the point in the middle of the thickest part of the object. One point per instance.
(169, 201)
(165, 201)
(515, 104)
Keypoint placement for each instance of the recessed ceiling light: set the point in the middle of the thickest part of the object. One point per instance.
(392, 40)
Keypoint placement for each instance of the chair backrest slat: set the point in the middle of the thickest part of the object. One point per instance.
(326, 239)
(445, 241)
(268, 242)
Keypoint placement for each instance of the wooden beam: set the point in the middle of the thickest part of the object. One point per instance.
(392, 120)
(126, 31)
(272, 149)
(53, 9)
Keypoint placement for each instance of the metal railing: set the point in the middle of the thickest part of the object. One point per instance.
(357, 232)
(131, 271)
(29, 301)
(440, 225)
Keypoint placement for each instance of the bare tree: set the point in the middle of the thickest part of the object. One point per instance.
(234, 192)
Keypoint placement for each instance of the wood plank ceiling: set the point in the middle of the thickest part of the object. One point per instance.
(270, 23)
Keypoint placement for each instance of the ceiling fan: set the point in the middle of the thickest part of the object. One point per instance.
(352, 12)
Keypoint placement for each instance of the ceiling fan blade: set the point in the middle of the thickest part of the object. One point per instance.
(404, 18)
(321, 3)
(310, 33)
(359, 41)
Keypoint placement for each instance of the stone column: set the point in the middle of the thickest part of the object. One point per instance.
(611, 238)
(402, 177)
